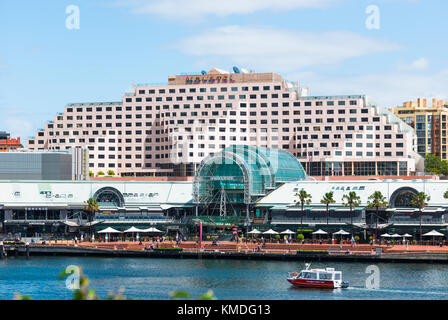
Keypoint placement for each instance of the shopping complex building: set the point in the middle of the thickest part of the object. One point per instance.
(238, 187)
(167, 130)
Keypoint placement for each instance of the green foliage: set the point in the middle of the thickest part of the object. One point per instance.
(182, 295)
(357, 238)
(91, 174)
(420, 199)
(300, 236)
(304, 198)
(445, 195)
(377, 200)
(110, 172)
(351, 200)
(328, 198)
(277, 236)
(100, 173)
(435, 165)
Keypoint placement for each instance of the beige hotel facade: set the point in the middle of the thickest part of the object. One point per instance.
(166, 130)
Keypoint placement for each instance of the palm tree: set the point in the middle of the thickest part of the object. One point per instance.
(91, 208)
(327, 200)
(304, 198)
(377, 200)
(352, 200)
(419, 200)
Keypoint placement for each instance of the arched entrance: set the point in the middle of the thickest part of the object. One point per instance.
(109, 197)
(401, 198)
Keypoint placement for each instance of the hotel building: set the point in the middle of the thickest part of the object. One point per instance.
(429, 123)
(166, 130)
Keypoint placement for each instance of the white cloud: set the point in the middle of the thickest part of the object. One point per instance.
(419, 64)
(388, 89)
(18, 127)
(200, 8)
(280, 50)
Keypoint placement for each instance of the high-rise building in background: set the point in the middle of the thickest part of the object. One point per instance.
(429, 123)
(6, 143)
(166, 130)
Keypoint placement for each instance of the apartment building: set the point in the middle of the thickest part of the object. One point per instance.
(429, 123)
(166, 130)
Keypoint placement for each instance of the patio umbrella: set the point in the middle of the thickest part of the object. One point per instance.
(320, 232)
(341, 232)
(133, 229)
(396, 235)
(152, 229)
(386, 235)
(109, 230)
(287, 231)
(434, 234)
(271, 232)
(254, 231)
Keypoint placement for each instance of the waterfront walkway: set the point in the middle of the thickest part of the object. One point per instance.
(227, 246)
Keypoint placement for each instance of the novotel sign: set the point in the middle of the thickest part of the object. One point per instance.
(209, 79)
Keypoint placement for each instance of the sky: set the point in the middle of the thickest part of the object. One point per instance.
(390, 50)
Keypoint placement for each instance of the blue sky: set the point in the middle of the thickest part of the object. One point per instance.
(322, 44)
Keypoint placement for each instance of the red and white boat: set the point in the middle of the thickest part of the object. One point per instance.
(317, 278)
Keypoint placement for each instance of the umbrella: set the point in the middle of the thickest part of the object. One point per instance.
(386, 235)
(254, 231)
(152, 229)
(341, 232)
(320, 232)
(434, 234)
(109, 230)
(133, 229)
(407, 235)
(270, 231)
(287, 232)
(396, 235)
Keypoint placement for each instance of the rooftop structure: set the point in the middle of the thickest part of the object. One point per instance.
(6, 143)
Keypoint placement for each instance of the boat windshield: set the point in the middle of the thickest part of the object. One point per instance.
(325, 276)
(337, 276)
(309, 275)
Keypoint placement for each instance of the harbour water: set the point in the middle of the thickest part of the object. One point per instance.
(229, 279)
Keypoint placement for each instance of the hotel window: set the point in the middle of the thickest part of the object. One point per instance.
(341, 103)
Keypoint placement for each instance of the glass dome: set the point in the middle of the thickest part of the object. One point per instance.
(244, 173)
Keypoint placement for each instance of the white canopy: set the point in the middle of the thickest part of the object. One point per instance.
(406, 235)
(133, 229)
(270, 231)
(287, 231)
(254, 231)
(396, 235)
(152, 229)
(434, 233)
(386, 235)
(320, 231)
(341, 232)
(109, 230)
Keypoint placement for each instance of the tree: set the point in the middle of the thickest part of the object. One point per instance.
(100, 173)
(327, 200)
(376, 200)
(91, 174)
(352, 200)
(445, 195)
(91, 208)
(419, 200)
(110, 172)
(304, 198)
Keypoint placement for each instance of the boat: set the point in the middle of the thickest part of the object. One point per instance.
(317, 278)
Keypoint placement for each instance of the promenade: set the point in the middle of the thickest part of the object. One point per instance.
(232, 246)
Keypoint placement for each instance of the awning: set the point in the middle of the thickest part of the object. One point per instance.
(109, 230)
(133, 229)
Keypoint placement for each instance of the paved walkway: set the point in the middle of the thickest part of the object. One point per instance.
(270, 247)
